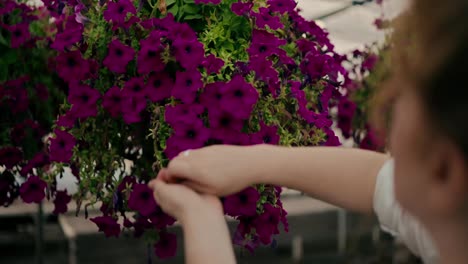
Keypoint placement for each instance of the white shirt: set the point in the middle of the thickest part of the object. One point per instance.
(394, 220)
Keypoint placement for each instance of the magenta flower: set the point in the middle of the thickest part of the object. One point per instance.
(127, 182)
(243, 203)
(241, 8)
(266, 135)
(316, 65)
(182, 113)
(369, 62)
(239, 97)
(263, 18)
(72, 67)
(135, 87)
(83, 99)
(118, 57)
(282, 6)
(189, 54)
(61, 147)
(117, 12)
(266, 224)
(371, 141)
(33, 190)
(264, 44)
(41, 91)
(160, 219)
(108, 225)
(10, 157)
(149, 57)
(142, 200)
(346, 107)
(224, 121)
(159, 86)
(264, 71)
(191, 135)
(67, 120)
(213, 64)
(17, 98)
(212, 95)
(182, 31)
(67, 38)
(186, 86)
(39, 160)
(132, 108)
(214, 2)
(19, 34)
(61, 201)
(331, 139)
(166, 246)
(112, 101)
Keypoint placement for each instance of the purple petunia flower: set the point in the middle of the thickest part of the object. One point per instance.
(371, 141)
(112, 101)
(117, 11)
(182, 113)
(149, 57)
(67, 120)
(241, 8)
(10, 157)
(332, 139)
(266, 135)
(135, 87)
(127, 182)
(282, 6)
(264, 44)
(214, 2)
(239, 97)
(243, 203)
(186, 85)
(224, 121)
(213, 64)
(83, 99)
(67, 38)
(33, 190)
(118, 57)
(189, 54)
(263, 18)
(316, 65)
(61, 201)
(212, 95)
(108, 225)
(41, 91)
(160, 219)
(17, 99)
(159, 86)
(266, 224)
(132, 107)
(19, 34)
(166, 246)
(182, 31)
(141, 200)
(72, 67)
(369, 62)
(39, 160)
(264, 71)
(61, 147)
(191, 135)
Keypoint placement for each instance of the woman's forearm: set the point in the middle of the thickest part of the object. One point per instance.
(207, 238)
(340, 176)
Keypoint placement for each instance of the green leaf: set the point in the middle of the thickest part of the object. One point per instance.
(191, 9)
(174, 10)
(170, 2)
(194, 16)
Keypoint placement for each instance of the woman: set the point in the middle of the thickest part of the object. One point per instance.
(424, 186)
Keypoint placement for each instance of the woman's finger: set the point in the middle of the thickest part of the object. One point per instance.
(179, 169)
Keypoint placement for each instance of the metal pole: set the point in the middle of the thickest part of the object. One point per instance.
(39, 233)
(342, 231)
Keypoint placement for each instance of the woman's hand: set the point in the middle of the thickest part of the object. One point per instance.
(219, 170)
(181, 202)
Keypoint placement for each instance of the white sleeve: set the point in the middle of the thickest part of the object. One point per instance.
(394, 220)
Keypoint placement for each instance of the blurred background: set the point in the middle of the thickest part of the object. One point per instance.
(319, 233)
